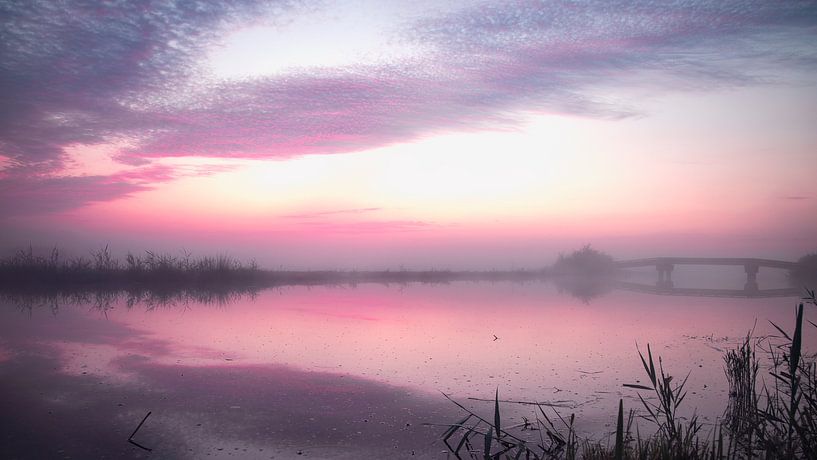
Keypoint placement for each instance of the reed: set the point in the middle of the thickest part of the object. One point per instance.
(101, 270)
(786, 423)
(28, 273)
(777, 421)
(741, 367)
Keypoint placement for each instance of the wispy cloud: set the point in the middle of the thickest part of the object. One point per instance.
(356, 227)
(69, 72)
(352, 221)
(320, 214)
(50, 194)
(69, 75)
(487, 64)
(86, 73)
(43, 194)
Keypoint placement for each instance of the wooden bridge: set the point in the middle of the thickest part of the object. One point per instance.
(665, 265)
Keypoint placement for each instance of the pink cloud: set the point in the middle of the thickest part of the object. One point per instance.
(46, 194)
(363, 227)
(321, 214)
(75, 75)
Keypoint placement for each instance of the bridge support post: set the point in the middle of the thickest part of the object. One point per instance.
(664, 275)
(751, 277)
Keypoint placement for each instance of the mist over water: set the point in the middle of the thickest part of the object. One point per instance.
(352, 372)
(714, 277)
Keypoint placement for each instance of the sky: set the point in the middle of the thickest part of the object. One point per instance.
(416, 134)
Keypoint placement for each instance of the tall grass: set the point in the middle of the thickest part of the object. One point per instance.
(741, 416)
(29, 279)
(27, 268)
(787, 412)
(24, 264)
(779, 421)
(99, 279)
(26, 271)
(679, 439)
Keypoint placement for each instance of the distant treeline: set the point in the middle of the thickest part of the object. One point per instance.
(584, 261)
(28, 272)
(806, 271)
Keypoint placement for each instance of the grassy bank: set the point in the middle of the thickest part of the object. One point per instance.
(27, 272)
(585, 273)
(100, 268)
(770, 418)
(28, 279)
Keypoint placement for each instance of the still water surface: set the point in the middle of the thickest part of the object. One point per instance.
(348, 372)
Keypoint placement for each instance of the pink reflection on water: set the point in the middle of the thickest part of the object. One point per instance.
(422, 338)
(550, 347)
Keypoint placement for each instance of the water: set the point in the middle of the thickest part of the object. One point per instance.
(332, 372)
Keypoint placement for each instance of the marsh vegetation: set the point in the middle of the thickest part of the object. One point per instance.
(772, 417)
(586, 261)
(585, 273)
(805, 274)
(340, 329)
(168, 275)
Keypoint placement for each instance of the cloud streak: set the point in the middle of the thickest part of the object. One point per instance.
(87, 74)
(486, 63)
(321, 214)
(47, 194)
(68, 71)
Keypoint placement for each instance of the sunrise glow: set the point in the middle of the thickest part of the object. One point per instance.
(368, 134)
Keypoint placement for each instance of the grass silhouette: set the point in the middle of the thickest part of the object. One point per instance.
(779, 421)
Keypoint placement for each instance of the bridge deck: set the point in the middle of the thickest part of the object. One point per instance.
(742, 261)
